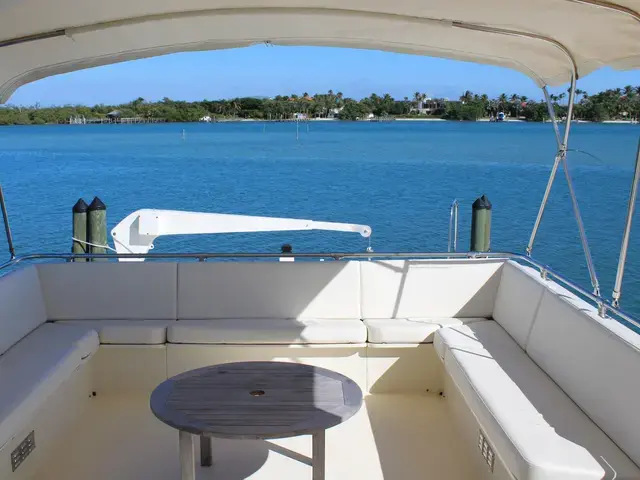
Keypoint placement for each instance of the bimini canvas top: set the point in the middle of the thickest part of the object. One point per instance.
(544, 39)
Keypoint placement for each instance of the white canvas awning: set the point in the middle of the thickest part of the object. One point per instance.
(544, 39)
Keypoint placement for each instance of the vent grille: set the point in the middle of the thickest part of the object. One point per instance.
(486, 450)
(23, 450)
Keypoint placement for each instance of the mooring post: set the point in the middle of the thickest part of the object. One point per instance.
(97, 226)
(79, 245)
(481, 225)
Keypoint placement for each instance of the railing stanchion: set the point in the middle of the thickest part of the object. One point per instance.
(452, 245)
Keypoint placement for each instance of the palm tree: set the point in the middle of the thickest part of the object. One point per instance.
(466, 97)
(417, 98)
(515, 101)
(502, 101)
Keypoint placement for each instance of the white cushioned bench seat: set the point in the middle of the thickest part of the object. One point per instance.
(127, 332)
(270, 303)
(126, 303)
(109, 291)
(269, 331)
(21, 306)
(537, 430)
(324, 290)
(406, 301)
(429, 288)
(410, 330)
(35, 367)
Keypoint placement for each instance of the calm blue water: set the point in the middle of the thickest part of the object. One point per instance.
(400, 178)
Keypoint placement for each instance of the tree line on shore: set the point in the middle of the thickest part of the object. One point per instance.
(612, 104)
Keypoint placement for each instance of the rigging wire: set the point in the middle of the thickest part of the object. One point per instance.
(598, 159)
(93, 244)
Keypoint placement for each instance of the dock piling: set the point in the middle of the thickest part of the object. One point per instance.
(481, 225)
(97, 226)
(79, 212)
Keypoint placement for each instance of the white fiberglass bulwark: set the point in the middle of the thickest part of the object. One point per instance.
(542, 39)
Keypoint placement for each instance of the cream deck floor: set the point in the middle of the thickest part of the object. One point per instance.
(397, 437)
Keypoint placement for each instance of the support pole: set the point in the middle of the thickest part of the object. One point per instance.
(545, 199)
(562, 150)
(79, 246)
(187, 456)
(7, 228)
(583, 234)
(561, 157)
(617, 289)
(206, 454)
(318, 455)
(97, 226)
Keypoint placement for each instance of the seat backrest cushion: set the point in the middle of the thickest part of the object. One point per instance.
(425, 288)
(110, 291)
(210, 290)
(21, 306)
(519, 295)
(595, 361)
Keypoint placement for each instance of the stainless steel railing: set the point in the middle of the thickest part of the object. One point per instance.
(604, 307)
(453, 227)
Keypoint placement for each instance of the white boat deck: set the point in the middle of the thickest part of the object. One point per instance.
(524, 367)
(393, 436)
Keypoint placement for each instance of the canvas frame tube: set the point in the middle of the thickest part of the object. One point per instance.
(552, 175)
(7, 227)
(561, 157)
(617, 289)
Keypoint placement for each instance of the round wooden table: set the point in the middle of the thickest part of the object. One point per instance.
(256, 400)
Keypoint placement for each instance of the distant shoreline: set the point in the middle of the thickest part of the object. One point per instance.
(338, 120)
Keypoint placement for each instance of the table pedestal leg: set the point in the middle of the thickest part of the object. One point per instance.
(317, 457)
(205, 452)
(187, 456)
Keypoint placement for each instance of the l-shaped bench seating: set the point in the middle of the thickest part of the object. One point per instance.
(523, 358)
(548, 382)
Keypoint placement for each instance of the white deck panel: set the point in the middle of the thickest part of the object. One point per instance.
(392, 437)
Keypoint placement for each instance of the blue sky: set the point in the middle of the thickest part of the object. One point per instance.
(263, 71)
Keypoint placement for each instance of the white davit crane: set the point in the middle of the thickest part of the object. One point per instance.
(137, 232)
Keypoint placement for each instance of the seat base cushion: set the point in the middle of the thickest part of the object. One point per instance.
(537, 430)
(127, 332)
(410, 330)
(268, 331)
(35, 367)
